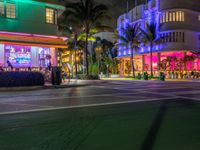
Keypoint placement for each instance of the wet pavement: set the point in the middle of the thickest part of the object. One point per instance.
(105, 93)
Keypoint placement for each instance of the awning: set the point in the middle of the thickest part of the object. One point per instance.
(32, 40)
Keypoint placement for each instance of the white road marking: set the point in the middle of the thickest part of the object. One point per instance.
(83, 106)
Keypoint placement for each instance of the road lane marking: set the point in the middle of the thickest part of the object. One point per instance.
(83, 106)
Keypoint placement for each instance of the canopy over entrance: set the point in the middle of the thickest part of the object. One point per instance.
(32, 40)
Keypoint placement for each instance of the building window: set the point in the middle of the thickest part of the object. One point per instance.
(163, 18)
(177, 15)
(172, 16)
(167, 16)
(173, 37)
(183, 38)
(51, 16)
(1, 9)
(10, 10)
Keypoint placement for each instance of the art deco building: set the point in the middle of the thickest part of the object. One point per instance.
(178, 22)
(28, 33)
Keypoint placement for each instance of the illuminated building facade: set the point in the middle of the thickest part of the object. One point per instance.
(66, 60)
(28, 33)
(178, 23)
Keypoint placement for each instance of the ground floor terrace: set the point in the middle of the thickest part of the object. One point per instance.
(21, 51)
(175, 64)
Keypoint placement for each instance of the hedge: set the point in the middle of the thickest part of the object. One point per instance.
(17, 79)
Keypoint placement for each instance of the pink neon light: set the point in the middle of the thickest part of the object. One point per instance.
(179, 55)
(34, 35)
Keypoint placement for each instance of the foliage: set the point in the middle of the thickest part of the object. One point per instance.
(129, 37)
(150, 37)
(106, 57)
(162, 76)
(85, 15)
(88, 77)
(93, 69)
(145, 76)
(139, 77)
(178, 63)
(16, 79)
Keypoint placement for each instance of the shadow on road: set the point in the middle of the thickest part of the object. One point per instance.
(150, 139)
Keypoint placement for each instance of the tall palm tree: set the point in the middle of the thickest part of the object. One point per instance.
(85, 14)
(150, 37)
(129, 37)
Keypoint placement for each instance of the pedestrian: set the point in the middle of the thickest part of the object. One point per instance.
(29, 68)
(10, 66)
(192, 74)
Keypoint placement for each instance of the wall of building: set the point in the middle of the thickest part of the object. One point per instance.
(109, 36)
(30, 18)
(191, 21)
(189, 26)
(186, 4)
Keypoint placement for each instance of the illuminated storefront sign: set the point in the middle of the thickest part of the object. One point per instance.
(18, 55)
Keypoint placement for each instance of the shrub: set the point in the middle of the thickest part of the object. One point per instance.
(16, 79)
(145, 76)
(88, 77)
(162, 76)
(139, 77)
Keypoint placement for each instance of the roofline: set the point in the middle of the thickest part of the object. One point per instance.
(43, 3)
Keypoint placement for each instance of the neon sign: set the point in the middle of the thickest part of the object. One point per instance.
(18, 55)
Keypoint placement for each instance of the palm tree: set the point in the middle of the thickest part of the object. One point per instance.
(129, 37)
(85, 14)
(149, 37)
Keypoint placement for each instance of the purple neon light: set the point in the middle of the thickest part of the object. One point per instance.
(18, 55)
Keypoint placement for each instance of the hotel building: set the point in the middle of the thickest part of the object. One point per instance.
(29, 33)
(178, 22)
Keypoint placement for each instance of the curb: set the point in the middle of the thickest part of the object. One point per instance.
(29, 88)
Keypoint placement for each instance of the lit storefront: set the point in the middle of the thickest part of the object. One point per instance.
(173, 61)
(27, 50)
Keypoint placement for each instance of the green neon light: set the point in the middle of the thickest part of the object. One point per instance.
(38, 3)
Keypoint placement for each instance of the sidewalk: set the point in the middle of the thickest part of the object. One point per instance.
(170, 80)
(74, 83)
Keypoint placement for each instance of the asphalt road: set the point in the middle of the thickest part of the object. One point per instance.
(105, 93)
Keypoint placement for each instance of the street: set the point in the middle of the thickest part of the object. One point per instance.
(110, 115)
(103, 93)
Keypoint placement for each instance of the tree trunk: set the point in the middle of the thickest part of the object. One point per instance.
(151, 57)
(132, 64)
(86, 53)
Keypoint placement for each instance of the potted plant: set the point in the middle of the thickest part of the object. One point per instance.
(162, 76)
(146, 76)
(139, 76)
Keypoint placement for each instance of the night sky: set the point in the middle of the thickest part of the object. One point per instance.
(117, 7)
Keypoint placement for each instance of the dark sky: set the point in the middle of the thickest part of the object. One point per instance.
(116, 7)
